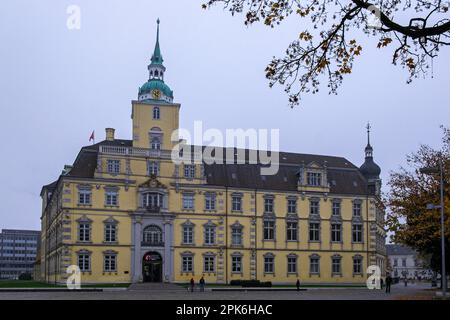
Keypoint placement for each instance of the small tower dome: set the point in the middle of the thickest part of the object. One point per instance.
(369, 169)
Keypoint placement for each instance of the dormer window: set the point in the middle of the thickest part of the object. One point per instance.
(314, 178)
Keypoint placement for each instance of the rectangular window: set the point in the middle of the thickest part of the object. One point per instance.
(292, 264)
(236, 236)
(210, 235)
(188, 201)
(268, 205)
(208, 264)
(336, 210)
(336, 265)
(114, 166)
(189, 171)
(357, 265)
(111, 198)
(110, 232)
(357, 209)
(236, 264)
(84, 232)
(357, 233)
(84, 262)
(188, 235)
(210, 201)
(314, 231)
(314, 207)
(336, 232)
(269, 230)
(291, 231)
(314, 178)
(395, 262)
(84, 197)
(153, 168)
(188, 264)
(292, 206)
(110, 262)
(314, 265)
(403, 262)
(268, 265)
(152, 200)
(236, 203)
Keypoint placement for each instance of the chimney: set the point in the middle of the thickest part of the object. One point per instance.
(109, 134)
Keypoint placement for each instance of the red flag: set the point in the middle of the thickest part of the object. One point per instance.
(92, 137)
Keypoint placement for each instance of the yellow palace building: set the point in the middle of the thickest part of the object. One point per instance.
(126, 212)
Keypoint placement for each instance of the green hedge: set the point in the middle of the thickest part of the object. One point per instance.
(250, 283)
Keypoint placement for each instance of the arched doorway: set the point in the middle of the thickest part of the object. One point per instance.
(152, 267)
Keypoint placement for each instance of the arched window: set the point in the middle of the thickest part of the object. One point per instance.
(153, 235)
(155, 144)
(156, 113)
(156, 73)
(151, 74)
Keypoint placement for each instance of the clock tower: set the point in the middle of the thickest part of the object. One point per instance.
(155, 115)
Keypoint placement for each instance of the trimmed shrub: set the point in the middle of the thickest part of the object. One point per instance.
(25, 276)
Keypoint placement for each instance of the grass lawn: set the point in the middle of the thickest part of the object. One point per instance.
(17, 284)
(25, 284)
(222, 285)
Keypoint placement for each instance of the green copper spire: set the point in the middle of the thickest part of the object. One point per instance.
(155, 88)
(157, 57)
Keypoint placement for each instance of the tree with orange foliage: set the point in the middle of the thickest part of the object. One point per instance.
(410, 192)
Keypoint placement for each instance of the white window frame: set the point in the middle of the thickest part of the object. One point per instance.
(269, 226)
(188, 201)
(290, 230)
(188, 234)
(187, 263)
(189, 171)
(314, 179)
(84, 261)
(210, 201)
(316, 231)
(110, 232)
(111, 198)
(113, 166)
(236, 263)
(236, 203)
(110, 262)
(209, 263)
(84, 197)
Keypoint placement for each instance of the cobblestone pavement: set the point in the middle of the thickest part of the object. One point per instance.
(398, 292)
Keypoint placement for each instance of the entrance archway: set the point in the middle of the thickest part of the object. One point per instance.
(152, 267)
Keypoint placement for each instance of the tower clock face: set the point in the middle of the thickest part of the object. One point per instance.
(156, 94)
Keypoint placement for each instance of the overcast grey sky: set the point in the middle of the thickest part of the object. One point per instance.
(58, 85)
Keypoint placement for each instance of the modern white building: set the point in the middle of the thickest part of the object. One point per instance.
(405, 262)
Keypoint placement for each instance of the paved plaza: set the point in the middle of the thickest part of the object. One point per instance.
(172, 292)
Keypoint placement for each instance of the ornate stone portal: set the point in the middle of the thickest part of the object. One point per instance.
(152, 231)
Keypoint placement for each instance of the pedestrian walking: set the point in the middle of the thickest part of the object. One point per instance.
(192, 284)
(381, 283)
(202, 284)
(406, 281)
(388, 283)
(298, 284)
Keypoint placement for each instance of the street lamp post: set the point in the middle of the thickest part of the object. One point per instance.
(440, 170)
